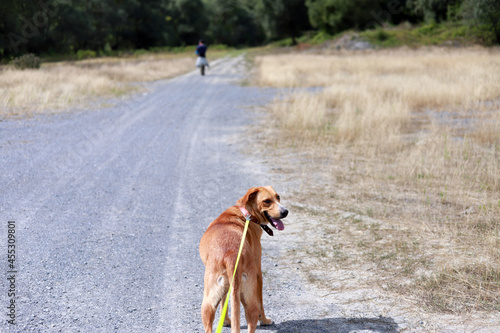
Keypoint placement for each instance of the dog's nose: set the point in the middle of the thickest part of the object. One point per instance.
(284, 212)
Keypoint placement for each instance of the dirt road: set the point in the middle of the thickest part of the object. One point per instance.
(109, 206)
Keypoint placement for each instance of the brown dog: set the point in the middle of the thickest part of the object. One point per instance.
(219, 248)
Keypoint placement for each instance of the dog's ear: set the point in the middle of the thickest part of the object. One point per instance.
(249, 197)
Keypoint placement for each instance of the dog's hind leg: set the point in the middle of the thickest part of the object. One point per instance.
(250, 304)
(227, 320)
(212, 295)
(264, 321)
(235, 309)
(207, 314)
(252, 316)
(235, 294)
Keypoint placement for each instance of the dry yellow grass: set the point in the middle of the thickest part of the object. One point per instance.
(60, 85)
(410, 138)
(396, 82)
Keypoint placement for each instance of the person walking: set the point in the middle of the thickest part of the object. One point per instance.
(201, 61)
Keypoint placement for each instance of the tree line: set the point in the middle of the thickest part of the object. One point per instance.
(66, 26)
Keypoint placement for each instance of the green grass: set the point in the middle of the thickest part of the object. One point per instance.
(449, 33)
(455, 33)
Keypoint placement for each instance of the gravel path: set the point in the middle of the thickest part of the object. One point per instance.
(109, 206)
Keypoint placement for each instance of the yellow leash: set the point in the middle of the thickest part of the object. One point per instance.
(224, 309)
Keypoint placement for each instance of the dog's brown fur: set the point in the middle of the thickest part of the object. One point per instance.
(218, 250)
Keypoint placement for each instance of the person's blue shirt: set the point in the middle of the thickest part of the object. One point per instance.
(201, 50)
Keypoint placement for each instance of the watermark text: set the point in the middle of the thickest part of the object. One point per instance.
(11, 272)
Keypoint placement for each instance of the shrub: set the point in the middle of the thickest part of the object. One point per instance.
(139, 52)
(381, 35)
(485, 12)
(85, 54)
(28, 60)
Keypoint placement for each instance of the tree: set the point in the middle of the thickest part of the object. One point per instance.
(233, 23)
(484, 12)
(24, 25)
(437, 10)
(190, 20)
(9, 29)
(282, 18)
(333, 16)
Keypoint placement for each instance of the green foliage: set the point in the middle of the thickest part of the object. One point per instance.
(435, 10)
(190, 20)
(233, 23)
(140, 52)
(333, 16)
(27, 61)
(486, 12)
(219, 47)
(320, 37)
(108, 27)
(381, 35)
(282, 18)
(449, 33)
(283, 42)
(85, 54)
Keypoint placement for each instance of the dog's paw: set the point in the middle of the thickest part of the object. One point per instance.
(266, 322)
(227, 322)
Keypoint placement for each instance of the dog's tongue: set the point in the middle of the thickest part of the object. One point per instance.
(277, 224)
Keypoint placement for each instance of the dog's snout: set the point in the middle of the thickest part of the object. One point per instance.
(284, 212)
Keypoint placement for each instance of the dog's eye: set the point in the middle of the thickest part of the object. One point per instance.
(268, 201)
(278, 197)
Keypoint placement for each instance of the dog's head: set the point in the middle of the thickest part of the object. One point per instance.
(263, 203)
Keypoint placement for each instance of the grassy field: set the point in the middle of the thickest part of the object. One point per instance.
(59, 85)
(397, 157)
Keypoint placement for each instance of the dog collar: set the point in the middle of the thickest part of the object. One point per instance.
(249, 217)
(267, 229)
(246, 214)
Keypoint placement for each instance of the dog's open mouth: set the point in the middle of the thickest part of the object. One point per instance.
(276, 223)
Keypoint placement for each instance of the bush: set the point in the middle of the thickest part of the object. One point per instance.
(85, 54)
(484, 12)
(382, 35)
(284, 42)
(320, 37)
(28, 60)
(219, 47)
(139, 52)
